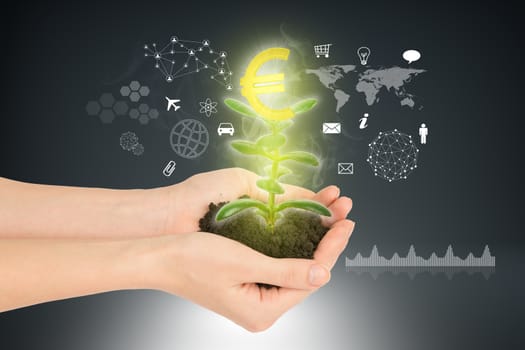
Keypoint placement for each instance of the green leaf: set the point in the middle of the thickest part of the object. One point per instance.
(270, 185)
(272, 141)
(245, 147)
(240, 107)
(301, 157)
(281, 171)
(264, 214)
(237, 206)
(304, 105)
(305, 205)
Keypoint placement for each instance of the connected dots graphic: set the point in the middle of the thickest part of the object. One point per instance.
(180, 57)
(129, 141)
(138, 150)
(392, 155)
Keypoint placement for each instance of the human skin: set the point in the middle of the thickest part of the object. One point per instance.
(74, 212)
(60, 242)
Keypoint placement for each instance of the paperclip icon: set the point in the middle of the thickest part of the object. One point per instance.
(170, 168)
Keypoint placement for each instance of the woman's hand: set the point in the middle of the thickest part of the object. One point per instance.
(189, 200)
(222, 275)
(213, 271)
(43, 211)
(150, 243)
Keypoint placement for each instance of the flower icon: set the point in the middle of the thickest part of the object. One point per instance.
(208, 107)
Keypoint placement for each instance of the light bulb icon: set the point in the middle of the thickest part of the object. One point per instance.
(363, 52)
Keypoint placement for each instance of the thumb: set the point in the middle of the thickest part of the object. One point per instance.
(290, 273)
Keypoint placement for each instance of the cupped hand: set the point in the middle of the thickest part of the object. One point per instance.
(189, 200)
(222, 275)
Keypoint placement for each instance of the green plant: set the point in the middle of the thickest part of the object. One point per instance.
(269, 146)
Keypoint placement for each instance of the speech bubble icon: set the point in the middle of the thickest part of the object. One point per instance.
(411, 55)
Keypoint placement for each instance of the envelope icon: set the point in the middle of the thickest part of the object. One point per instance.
(331, 128)
(345, 168)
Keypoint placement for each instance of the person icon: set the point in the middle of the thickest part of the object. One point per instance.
(423, 132)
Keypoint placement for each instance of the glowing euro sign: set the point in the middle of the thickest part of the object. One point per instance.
(253, 85)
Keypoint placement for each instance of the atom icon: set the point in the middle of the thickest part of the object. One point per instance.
(392, 155)
(208, 107)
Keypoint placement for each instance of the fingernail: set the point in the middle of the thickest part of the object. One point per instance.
(349, 234)
(318, 275)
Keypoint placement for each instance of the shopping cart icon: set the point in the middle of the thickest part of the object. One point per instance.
(322, 50)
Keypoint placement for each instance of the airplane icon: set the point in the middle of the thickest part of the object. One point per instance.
(172, 103)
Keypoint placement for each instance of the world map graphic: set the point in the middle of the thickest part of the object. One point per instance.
(369, 83)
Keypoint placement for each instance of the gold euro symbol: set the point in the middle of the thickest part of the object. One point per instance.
(253, 85)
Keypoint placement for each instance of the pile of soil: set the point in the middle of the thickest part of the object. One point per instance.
(296, 235)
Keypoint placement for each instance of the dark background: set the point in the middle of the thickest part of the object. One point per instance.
(466, 192)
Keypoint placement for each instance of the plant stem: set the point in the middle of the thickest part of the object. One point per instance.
(273, 176)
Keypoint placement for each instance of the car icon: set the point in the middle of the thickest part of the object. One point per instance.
(225, 128)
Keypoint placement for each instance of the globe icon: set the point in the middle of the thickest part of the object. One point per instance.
(392, 155)
(189, 138)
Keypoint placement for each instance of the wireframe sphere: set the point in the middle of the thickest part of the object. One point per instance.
(392, 155)
(189, 138)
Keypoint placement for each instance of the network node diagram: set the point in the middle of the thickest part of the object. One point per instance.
(180, 57)
(129, 141)
(392, 155)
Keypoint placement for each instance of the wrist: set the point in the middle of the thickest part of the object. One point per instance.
(65, 268)
(155, 262)
(148, 212)
(172, 212)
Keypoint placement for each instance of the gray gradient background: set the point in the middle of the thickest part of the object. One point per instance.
(466, 192)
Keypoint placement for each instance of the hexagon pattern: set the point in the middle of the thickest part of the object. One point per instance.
(143, 108)
(144, 91)
(134, 113)
(121, 108)
(125, 91)
(93, 108)
(143, 113)
(107, 100)
(153, 113)
(107, 107)
(134, 85)
(134, 91)
(107, 116)
(134, 96)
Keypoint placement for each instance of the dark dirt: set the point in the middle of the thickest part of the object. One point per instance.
(296, 234)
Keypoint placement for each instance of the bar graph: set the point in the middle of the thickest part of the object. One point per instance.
(412, 264)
